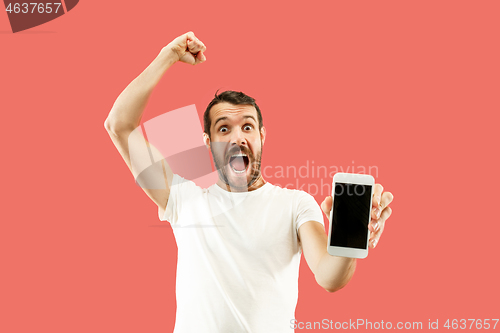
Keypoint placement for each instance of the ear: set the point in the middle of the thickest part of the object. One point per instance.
(206, 140)
(263, 134)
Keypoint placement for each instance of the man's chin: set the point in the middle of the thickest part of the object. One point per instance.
(240, 182)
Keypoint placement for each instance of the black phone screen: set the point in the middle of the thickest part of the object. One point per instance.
(351, 215)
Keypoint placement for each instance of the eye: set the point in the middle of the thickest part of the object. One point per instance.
(223, 129)
(248, 127)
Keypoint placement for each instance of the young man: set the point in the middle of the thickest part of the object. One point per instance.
(239, 241)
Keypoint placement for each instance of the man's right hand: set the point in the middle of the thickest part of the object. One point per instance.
(122, 123)
(187, 48)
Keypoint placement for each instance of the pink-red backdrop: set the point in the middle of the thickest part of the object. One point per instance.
(81, 246)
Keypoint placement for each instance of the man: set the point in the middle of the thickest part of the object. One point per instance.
(239, 241)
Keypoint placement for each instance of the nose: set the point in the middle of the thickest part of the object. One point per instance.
(238, 138)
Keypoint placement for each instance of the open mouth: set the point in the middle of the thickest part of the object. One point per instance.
(239, 162)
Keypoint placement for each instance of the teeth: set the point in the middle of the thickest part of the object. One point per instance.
(239, 155)
(238, 171)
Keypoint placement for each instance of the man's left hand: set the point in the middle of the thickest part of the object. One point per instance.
(379, 214)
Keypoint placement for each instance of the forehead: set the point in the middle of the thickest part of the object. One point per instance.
(231, 111)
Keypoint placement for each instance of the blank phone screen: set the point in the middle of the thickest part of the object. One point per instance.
(351, 215)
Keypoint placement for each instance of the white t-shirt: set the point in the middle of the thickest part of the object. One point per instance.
(238, 256)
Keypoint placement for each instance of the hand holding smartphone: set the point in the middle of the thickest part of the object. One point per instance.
(350, 215)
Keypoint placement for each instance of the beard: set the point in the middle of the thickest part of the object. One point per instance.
(223, 163)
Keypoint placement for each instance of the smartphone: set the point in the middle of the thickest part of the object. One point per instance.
(350, 215)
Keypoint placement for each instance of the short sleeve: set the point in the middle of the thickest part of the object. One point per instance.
(180, 190)
(307, 209)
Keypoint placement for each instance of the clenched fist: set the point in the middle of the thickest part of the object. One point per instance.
(187, 48)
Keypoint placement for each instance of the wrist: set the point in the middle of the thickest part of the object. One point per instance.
(168, 56)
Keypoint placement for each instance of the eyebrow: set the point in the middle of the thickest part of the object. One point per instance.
(225, 118)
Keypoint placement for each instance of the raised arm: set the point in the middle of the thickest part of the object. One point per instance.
(122, 123)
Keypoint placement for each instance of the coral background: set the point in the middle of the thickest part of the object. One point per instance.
(81, 246)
